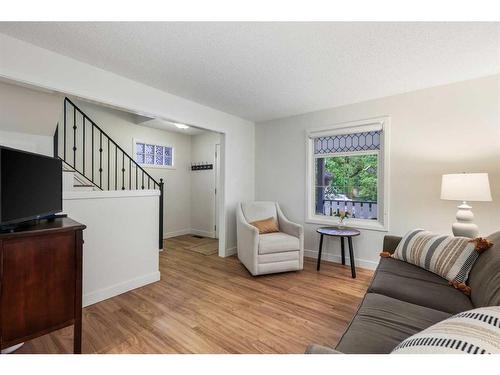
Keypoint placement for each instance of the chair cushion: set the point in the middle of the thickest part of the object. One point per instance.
(404, 281)
(277, 242)
(254, 211)
(383, 322)
(484, 278)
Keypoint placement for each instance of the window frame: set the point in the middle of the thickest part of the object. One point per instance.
(383, 171)
(143, 165)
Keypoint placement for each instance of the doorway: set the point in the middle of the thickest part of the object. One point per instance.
(203, 234)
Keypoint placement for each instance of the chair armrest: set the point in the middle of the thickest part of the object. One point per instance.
(391, 243)
(287, 226)
(318, 349)
(247, 229)
(247, 242)
(248, 232)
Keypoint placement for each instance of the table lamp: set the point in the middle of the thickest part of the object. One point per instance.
(465, 187)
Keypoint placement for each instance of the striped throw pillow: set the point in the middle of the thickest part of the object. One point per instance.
(471, 332)
(449, 257)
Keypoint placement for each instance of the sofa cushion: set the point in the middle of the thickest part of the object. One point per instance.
(383, 322)
(254, 211)
(277, 242)
(484, 278)
(404, 281)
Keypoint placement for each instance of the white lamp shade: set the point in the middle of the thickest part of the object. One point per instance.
(466, 187)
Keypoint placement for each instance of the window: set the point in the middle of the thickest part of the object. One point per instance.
(347, 172)
(151, 155)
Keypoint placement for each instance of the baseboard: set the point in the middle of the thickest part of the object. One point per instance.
(114, 290)
(176, 233)
(183, 232)
(231, 251)
(363, 263)
(202, 233)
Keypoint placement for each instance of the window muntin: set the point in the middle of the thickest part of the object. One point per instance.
(151, 155)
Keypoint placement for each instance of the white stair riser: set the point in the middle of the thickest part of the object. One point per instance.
(68, 181)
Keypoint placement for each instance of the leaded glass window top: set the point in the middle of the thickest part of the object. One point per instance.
(365, 141)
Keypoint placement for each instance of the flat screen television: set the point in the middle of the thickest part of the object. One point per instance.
(30, 186)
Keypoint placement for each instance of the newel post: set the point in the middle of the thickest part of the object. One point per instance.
(160, 221)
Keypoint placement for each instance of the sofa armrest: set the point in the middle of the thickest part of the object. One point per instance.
(318, 349)
(391, 243)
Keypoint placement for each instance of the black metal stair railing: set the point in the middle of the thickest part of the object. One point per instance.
(83, 141)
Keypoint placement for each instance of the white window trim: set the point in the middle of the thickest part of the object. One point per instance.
(135, 141)
(379, 123)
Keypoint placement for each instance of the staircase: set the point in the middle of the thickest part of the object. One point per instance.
(94, 161)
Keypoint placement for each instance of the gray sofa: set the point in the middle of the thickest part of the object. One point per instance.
(404, 299)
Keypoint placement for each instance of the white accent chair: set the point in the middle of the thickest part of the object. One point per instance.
(272, 252)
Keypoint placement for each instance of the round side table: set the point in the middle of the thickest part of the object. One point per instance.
(341, 232)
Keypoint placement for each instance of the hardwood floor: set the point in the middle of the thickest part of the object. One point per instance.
(207, 304)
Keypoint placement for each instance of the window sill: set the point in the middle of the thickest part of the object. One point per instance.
(148, 166)
(351, 223)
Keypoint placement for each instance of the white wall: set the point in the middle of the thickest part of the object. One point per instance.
(41, 144)
(28, 118)
(121, 240)
(203, 184)
(439, 130)
(26, 63)
(120, 126)
(28, 111)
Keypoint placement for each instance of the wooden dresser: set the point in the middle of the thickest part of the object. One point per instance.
(41, 281)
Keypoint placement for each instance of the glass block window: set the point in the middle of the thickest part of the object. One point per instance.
(151, 155)
(168, 155)
(366, 141)
(159, 155)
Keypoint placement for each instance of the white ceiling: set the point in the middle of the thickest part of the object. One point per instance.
(262, 71)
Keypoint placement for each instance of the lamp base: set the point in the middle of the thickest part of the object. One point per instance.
(464, 227)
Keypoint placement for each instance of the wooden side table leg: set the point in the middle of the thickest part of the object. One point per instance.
(342, 249)
(319, 252)
(351, 258)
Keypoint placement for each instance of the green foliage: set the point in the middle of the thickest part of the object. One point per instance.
(354, 176)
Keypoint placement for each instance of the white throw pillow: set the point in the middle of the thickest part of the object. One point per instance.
(471, 332)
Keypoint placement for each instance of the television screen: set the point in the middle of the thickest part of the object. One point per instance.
(30, 185)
